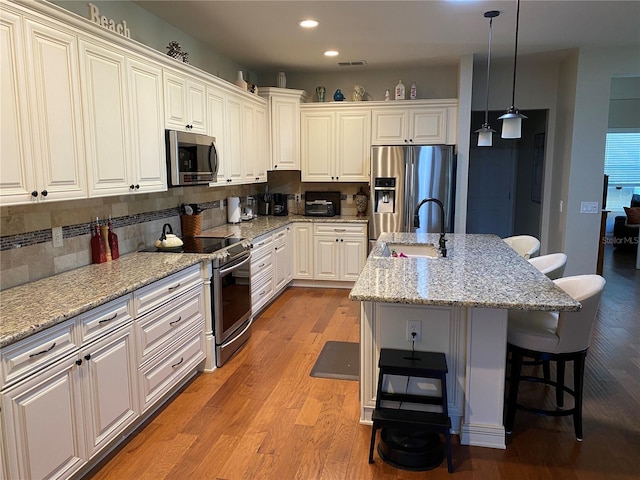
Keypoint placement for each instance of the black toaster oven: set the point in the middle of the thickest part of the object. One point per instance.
(322, 204)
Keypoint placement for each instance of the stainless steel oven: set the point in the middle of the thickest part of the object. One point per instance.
(231, 304)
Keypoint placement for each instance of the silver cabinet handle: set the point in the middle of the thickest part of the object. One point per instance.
(43, 351)
(175, 321)
(339, 229)
(171, 289)
(105, 320)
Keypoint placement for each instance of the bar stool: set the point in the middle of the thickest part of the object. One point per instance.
(552, 265)
(527, 246)
(554, 336)
(420, 413)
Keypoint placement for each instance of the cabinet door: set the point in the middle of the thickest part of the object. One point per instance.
(325, 251)
(390, 126)
(233, 164)
(147, 126)
(282, 258)
(262, 143)
(249, 145)
(216, 111)
(429, 125)
(111, 394)
(302, 251)
(352, 257)
(318, 146)
(185, 103)
(44, 423)
(285, 133)
(17, 172)
(353, 146)
(106, 120)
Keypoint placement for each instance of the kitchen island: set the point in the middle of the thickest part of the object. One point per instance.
(460, 304)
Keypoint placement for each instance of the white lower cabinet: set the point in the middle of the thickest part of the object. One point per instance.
(339, 251)
(270, 266)
(43, 423)
(70, 391)
(302, 251)
(282, 258)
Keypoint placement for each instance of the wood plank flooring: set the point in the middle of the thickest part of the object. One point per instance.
(262, 416)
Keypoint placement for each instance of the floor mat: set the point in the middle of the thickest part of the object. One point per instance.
(339, 360)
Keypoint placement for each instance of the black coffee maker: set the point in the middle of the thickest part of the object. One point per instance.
(280, 204)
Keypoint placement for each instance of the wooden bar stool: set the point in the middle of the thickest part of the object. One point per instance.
(406, 415)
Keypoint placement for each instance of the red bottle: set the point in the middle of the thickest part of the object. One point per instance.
(113, 242)
(98, 250)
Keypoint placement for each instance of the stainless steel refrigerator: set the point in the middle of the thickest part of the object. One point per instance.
(404, 175)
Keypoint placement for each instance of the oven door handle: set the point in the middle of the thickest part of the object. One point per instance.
(239, 335)
(224, 271)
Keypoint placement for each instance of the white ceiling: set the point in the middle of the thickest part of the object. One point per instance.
(264, 35)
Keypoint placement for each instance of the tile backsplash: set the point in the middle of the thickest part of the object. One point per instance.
(26, 248)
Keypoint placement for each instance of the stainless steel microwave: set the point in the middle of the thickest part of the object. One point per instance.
(192, 159)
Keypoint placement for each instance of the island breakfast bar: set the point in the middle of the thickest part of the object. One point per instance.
(461, 303)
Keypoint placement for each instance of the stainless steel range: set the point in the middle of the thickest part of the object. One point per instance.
(231, 312)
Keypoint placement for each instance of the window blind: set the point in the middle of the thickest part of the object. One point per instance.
(622, 158)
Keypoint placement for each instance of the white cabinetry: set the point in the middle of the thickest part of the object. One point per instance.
(339, 251)
(122, 104)
(225, 124)
(336, 143)
(41, 144)
(426, 122)
(302, 251)
(185, 103)
(282, 258)
(255, 149)
(284, 126)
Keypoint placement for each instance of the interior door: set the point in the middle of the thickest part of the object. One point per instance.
(491, 189)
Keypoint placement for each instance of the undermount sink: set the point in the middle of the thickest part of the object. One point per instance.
(424, 250)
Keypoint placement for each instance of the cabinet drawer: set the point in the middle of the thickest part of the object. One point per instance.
(262, 263)
(261, 292)
(339, 229)
(157, 329)
(37, 351)
(158, 378)
(280, 237)
(104, 319)
(263, 242)
(152, 296)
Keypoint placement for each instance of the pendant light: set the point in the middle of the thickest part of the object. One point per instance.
(485, 133)
(512, 119)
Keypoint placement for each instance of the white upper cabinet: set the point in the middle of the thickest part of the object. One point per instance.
(185, 103)
(216, 121)
(124, 134)
(419, 122)
(233, 149)
(148, 147)
(42, 152)
(284, 126)
(335, 144)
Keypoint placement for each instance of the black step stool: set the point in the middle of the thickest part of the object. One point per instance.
(412, 364)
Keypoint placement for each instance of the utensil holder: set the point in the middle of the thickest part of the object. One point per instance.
(191, 225)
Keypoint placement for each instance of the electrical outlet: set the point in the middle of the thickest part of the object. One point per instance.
(297, 197)
(414, 326)
(349, 199)
(56, 236)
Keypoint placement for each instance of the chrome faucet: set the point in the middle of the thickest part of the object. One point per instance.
(416, 222)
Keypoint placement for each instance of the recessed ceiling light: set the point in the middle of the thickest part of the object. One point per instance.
(331, 53)
(308, 23)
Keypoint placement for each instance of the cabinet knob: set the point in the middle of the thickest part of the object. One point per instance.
(336, 239)
(44, 193)
(275, 166)
(131, 187)
(137, 187)
(78, 362)
(34, 193)
(342, 240)
(87, 356)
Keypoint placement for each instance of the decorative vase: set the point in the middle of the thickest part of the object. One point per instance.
(320, 93)
(240, 81)
(338, 96)
(362, 200)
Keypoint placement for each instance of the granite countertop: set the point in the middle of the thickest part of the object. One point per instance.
(36, 306)
(479, 271)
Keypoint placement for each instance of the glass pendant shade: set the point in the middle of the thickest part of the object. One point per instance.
(485, 135)
(512, 123)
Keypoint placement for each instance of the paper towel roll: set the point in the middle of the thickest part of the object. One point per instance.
(233, 209)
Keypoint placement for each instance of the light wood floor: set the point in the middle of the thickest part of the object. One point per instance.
(262, 416)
